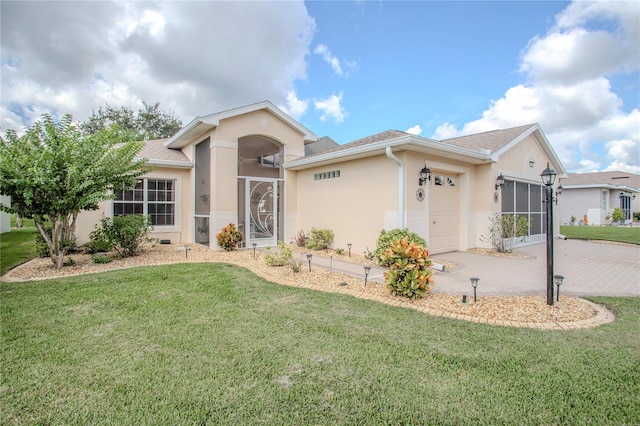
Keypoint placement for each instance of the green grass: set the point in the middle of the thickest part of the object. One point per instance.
(608, 233)
(16, 247)
(215, 344)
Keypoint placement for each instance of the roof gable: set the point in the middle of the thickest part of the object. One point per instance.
(201, 124)
(159, 155)
(602, 179)
(493, 140)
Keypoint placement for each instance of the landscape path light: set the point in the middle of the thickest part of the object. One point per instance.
(309, 260)
(349, 245)
(254, 249)
(558, 280)
(367, 269)
(474, 284)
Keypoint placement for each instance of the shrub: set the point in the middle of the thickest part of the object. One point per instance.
(340, 251)
(126, 234)
(387, 237)
(296, 265)
(98, 243)
(300, 240)
(505, 231)
(409, 273)
(320, 239)
(229, 237)
(636, 216)
(617, 215)
(280, 256)
(100, 258)
(368, 254)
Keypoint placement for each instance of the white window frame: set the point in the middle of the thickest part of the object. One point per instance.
(145, 200)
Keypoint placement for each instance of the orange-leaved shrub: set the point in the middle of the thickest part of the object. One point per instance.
(409, 274)
(229, 237)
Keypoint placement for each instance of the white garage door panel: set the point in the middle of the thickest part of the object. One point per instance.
(443, 215)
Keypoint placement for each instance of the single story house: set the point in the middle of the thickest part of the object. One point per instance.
(596, 195)
(260, 169)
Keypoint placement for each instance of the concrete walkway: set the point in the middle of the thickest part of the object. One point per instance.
(589, 268)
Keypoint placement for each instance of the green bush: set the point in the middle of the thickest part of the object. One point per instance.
(636, 216)
(409, 274)
(98, 243)
(126, 234)
(617, 215)
(505, 231)
(280, 256)
(320, 239)
(386, 238)
(229, 237)
(100, 258)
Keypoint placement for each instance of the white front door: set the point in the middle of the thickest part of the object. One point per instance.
(261, 212)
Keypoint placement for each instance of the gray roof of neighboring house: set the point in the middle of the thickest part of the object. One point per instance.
(159, 154)
(618, 179)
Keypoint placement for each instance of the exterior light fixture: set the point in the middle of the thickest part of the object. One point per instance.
(499, 181)
(558, 192)
(367, 269)
(349, 245)
(558, 281)
(309, 260)
(425, 175)
(254, 249)
(548, 176)
(474, 284)
(186, 251)
(464, 299)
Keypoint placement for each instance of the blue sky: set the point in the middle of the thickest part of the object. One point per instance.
(345, 69)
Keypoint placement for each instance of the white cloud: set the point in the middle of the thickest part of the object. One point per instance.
(295, 107)
(569, 92)
(331, 108)
(324, 51)
(77, 56)
(415, 130)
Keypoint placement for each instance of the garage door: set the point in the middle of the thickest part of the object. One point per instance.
(444, 203)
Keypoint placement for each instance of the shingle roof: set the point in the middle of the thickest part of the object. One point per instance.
(630, 180)
(492, 140)
(155, 150)
(378, 137)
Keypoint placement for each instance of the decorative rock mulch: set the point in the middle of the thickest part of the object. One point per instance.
(518, 311)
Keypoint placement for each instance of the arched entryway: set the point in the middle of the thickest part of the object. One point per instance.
(260, 185)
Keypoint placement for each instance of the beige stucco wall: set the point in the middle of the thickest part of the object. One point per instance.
(356, 206)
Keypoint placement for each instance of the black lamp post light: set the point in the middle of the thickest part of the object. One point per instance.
(254, 245)
(309, 256)
(349, 245)
(548, 176)
(474, 284)
(558, 280)
(367, 269)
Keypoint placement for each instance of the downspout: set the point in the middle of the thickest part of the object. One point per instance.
(400, 187)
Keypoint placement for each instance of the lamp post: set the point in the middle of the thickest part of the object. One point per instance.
(309, 260)
(367, 269)
(254, 249)
(349, 245)
(474, 284)
(548, 176)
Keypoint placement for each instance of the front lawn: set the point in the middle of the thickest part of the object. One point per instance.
(621, 234)
(16, 247)
(215, 344)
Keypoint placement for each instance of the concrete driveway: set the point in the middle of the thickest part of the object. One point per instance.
(589, 268)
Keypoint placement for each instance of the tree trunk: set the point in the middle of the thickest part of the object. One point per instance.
(61, 238)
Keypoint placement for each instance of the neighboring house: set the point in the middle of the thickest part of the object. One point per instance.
(258, 168)
(596, 195)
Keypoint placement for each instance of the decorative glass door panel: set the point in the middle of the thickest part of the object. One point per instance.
(261, 212)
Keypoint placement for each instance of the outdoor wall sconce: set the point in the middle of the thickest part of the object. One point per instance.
(425, 175)
(349, 245)
(309, 260)
(474, 284)
(499, 181)
(558, 192)
(558, 280)
(254, 249)
(367, 269)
